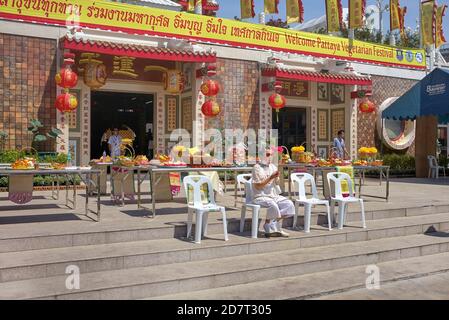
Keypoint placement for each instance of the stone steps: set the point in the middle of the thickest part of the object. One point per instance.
(43, 263)
(160, 280)
(345, 283)
(62, 234)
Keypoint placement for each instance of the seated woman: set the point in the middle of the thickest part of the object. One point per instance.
(265, 177)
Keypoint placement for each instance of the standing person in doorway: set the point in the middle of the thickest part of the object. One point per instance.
(104, 142)
(150, 144)
(339, 145)
(115, 142)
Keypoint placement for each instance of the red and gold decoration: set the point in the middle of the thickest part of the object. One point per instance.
(356, 13)
(277, 102)
(173, 81)
(247, 9)
(402, 13)
(367, 106)
(439, 34)
(271, 6)
(428, 12)
(66, 102)
(66, 79)
(210, 88)
(334, 15)
(93, 70)
(295, 11)
(210, 108)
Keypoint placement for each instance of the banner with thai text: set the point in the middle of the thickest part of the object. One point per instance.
(107, 15)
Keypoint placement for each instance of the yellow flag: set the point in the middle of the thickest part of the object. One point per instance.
(402, 12)
(427, 22)
(356, 13)
(271, 6)
(191, 6)
(247, 9)
(394, 15)
(439, 35)
(334, 15)
(295, 11)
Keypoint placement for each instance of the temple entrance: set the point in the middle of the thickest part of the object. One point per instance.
(131, 113)
(292, 126)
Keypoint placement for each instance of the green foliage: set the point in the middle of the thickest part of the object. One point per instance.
(399, 162)
(40, 138)
(9, 156)
(43, 181)
(443, 161)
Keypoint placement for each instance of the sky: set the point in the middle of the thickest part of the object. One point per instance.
(316, 8)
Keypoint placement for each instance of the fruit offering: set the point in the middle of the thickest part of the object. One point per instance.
(141, 161)
(162, 158)
(24, 164)
(58, 166)
(360, 163)
(125, 162)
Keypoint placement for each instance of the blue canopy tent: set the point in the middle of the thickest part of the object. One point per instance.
(430, 96)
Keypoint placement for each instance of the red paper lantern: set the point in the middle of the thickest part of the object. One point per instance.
(366, 106)
(66, 102)
(210, 108)
(210, 88)
(66, 78)
(277, 101)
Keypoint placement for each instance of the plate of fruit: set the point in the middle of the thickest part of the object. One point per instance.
(24, 164)
(141, 161)
(170, 164)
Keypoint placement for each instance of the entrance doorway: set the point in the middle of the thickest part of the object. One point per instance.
(130, 111)
(292, 126)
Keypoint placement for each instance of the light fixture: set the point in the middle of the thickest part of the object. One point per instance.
(148, 102)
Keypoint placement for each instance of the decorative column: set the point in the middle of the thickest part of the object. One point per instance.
(160, 124)
(85, 125)
(353, 126)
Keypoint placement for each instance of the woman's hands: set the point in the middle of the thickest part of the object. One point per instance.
(262, 184)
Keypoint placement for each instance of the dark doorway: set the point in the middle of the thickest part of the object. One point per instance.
(292, 126)
(121, 110)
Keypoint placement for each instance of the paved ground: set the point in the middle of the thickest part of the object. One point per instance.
(432, 287)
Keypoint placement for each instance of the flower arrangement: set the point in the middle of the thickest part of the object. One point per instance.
(368, 152)
(298, 149)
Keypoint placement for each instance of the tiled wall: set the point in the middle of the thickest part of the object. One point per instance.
(27, 88)
(383, 88)
(239, 96)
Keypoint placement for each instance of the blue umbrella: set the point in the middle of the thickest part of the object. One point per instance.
(430, 96)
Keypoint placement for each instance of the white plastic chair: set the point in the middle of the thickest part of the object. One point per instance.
(241, 179)
(337, 178)
(201, 207)
(434, 168)
(301, 179)
(255, 209)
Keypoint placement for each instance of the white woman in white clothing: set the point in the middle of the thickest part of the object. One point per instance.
(265, 178)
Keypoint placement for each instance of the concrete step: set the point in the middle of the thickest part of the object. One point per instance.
(136, 283)
(45, 235)
(346, 283)
(42, 263)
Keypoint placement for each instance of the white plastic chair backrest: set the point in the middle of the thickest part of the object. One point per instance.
(432, 161)
(248, 192)
(242, 178)
(337, 178)
(301, 180)
(195, 182)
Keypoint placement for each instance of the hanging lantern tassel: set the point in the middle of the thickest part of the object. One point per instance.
(277, 102)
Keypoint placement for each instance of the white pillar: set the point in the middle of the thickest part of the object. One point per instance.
(262, 17)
